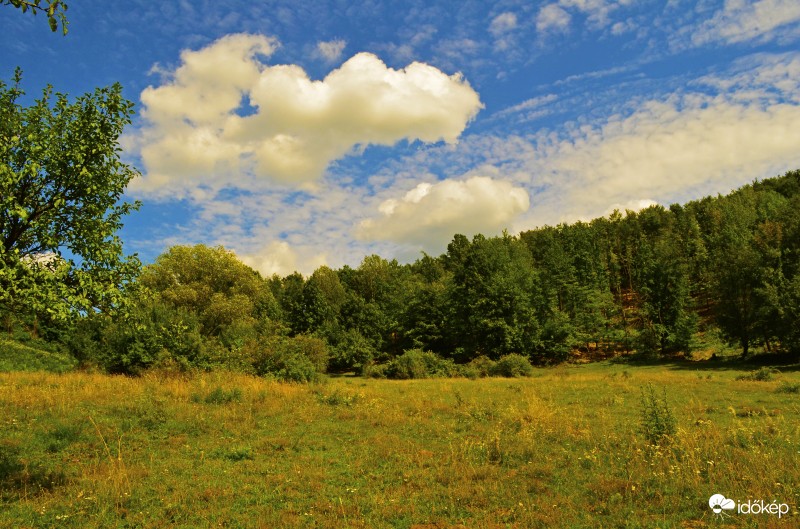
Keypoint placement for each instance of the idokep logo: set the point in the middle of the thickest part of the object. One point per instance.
(719, 504)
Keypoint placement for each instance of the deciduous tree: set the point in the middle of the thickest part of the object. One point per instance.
(61, 185)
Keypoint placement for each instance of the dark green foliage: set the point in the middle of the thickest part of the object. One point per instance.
(511, 366)
(150, 334)
(496, 297)
(350, 350)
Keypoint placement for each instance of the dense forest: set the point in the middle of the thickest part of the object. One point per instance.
(646, 282)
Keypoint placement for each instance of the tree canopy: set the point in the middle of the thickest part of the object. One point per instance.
(61, 184)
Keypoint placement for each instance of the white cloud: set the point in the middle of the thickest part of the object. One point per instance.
(668, 149)
(278, 257)
(720, 132)
(630, 205)
(765, 76)
(199, 132)
(429, 215)
(529, 109)
(744, 20)
(552, 18)
(557, 16)
(597, 11)
(503, 23)
(331, 50)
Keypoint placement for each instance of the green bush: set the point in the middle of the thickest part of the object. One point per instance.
(416, 363)
(297, 359)
(482, 365)
(374, 371)
(148, 335)
(410, 364)
(351, 351)
(511, 365)
(658, 424)
(468, 371)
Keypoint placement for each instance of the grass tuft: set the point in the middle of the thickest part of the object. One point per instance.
(765, 374)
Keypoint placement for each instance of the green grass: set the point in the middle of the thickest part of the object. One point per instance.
(15, 356)
(564, 448)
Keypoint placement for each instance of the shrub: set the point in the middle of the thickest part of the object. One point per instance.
(436, 366)
(410, 364)
(374, 371)
(148, 335)
(468, 371)
(297, 359)
(788, 387)
(416, 363)
(512, 365)
(351, 351)
(483, 365)
(658, 424)
(314, 349)
(297, 368)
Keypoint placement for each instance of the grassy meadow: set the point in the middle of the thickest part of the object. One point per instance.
(564, 448)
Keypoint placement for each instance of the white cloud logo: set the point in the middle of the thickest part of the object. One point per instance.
(718, 503)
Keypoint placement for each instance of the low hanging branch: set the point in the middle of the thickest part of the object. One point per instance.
(54, 9)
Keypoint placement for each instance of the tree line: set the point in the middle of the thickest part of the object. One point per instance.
(650, 282)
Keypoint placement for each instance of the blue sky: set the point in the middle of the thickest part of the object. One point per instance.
(306, 133)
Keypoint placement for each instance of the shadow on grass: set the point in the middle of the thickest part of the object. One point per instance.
(18, 478)
(784, 362)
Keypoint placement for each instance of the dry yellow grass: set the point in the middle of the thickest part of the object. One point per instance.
(561, 449)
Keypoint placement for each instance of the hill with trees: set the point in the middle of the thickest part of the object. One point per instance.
(659, 281)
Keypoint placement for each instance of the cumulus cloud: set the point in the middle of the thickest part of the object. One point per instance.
(225, 119)
(279, 257)
(331, 50)
(741, 20)
(430, 214)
